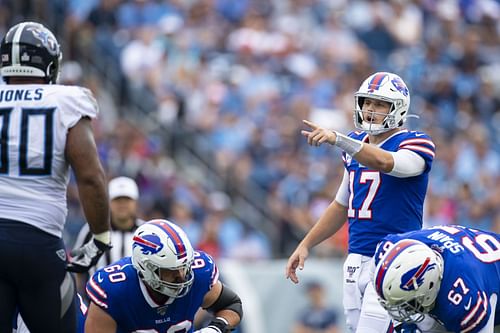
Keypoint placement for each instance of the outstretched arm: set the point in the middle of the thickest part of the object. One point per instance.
(328, 224)
(403, 163)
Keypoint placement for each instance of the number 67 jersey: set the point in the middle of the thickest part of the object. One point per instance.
(471, 274)
(119, 291)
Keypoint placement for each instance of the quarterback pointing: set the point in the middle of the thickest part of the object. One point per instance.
(386, 167)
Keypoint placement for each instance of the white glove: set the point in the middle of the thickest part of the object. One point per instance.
(209, 329)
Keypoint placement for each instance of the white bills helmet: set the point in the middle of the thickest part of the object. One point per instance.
(160, 244)
(407, 280)
(386, 87)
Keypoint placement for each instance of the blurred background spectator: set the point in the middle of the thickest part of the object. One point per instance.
(202, 101)
(318, 317)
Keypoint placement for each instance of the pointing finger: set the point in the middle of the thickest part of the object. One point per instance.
(310, 124)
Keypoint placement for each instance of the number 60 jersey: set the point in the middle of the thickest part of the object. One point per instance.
(118, 290)
(471, 274)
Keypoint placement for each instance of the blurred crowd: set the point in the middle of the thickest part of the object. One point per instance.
(232, 80)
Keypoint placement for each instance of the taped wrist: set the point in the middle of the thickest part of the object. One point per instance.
(349, 145)
(220, 324)
(103, 237)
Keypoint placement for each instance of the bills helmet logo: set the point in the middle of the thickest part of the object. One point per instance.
(150, 244)
(48, 41)
(400, 85)
(416, 275)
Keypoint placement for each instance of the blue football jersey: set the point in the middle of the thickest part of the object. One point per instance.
(380, 204)
(118, 290)
(471, 274)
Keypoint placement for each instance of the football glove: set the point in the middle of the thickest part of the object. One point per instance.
(218, 325)
(83, 258)
(208, 330)
(406, 328)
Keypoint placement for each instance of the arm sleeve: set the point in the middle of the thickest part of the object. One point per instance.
(342, 196)
(407, 164)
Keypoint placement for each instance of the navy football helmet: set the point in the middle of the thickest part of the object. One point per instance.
(30, 50)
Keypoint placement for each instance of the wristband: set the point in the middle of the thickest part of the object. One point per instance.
(349, 145)
(220, 323)
(103, 237)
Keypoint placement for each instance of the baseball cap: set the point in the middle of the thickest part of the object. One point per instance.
(123, 187)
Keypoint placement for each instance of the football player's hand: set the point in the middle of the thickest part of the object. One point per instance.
(83, 258)
(208, 330)
(295, 261)
(406, 328)
(318, 135)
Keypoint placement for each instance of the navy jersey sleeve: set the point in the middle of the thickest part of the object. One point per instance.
(384, 245)
(420, 143)
(466, 308)
(107, 288)
(206, 272)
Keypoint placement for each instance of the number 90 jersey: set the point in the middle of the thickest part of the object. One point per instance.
(381, 204)
(34, 122)
(471, 274)
(118, 290)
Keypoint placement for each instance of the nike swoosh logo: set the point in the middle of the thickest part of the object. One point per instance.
(419, 134)
(467, 307)
(99, 278)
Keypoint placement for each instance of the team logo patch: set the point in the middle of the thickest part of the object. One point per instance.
(400, 86)
(47, 39)
(415, 274)
(150, 244)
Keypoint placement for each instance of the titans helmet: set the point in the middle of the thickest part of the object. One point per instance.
(30, 50)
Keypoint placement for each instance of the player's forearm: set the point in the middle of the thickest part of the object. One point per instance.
(232, 318)
(328, 224)
(375, 158)
(94, 201)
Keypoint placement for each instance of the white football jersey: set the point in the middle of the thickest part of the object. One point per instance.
(34, 122)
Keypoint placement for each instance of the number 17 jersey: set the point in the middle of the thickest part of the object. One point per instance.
(381, 204)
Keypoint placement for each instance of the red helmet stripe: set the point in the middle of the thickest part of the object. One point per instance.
(176, 238)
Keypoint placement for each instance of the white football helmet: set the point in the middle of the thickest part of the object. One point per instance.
(407, 280)
(160, 244)
(386, 87)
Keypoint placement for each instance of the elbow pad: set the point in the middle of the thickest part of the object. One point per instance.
(228, 300)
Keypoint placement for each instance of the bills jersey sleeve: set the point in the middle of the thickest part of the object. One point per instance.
(373, 195)
(118, 291)
(420, 143)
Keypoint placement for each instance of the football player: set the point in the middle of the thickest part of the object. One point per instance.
(444, 278)
(160, 287)
(386, 166)
(44, 129)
